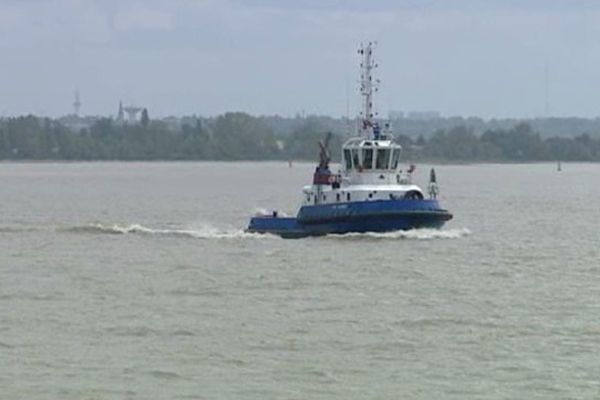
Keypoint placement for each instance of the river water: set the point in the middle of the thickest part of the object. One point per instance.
(136, 281)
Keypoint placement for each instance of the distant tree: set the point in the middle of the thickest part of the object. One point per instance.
(303, 142)
(145, 119)
(239, 136)
(195, 143)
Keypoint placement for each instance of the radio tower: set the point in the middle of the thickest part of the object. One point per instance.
(76, 103)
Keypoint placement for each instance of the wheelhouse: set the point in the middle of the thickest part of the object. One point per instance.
(363, 155)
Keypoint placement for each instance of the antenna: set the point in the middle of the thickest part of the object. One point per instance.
(368, 86)
(76, 103)
(347, 107)
(121, 113)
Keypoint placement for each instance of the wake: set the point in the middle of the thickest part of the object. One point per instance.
(413, 234)
(205, 232)
(209, 232)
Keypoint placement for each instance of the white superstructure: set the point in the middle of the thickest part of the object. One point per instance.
(370, 167)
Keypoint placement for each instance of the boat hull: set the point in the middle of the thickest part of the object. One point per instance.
(360, 217)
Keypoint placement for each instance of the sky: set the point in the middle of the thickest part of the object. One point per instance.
(491, 59)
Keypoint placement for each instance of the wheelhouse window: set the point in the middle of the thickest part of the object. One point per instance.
(395, 158)
(355, 159)
(383, 158)
(348, 159)
(367, 159)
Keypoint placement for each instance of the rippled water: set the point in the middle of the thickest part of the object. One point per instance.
(136, 281)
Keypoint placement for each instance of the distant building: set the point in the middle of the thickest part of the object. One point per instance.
(175, 123)
(395, 114)
(132, 112)
(76, 123)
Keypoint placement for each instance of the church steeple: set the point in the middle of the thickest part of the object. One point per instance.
(121, 114)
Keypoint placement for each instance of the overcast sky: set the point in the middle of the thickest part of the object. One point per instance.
(178, 57)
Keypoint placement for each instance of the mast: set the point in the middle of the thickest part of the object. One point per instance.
(368, 127)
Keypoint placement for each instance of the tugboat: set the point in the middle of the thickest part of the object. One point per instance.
(370, 193)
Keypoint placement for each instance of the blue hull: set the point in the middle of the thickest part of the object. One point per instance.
(363, 216)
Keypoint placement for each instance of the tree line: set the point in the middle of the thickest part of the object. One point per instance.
(517, 144)
(239, 136)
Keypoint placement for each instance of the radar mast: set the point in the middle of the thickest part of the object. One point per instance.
(368, 85)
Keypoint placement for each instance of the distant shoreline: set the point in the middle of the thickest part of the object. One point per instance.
(285, 162)
(241, 137)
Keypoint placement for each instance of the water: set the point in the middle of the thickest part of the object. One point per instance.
(136, 281)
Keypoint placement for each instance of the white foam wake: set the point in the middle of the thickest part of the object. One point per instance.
(205, 232)
(211, 232)
(415, 234)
